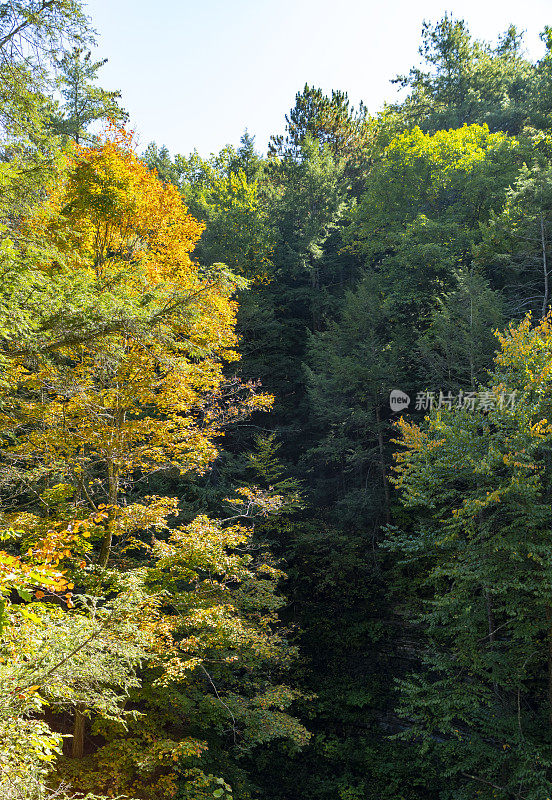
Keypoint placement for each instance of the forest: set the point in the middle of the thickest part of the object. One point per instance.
(276, 436)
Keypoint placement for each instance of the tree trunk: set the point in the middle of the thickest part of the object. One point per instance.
(78, 733)
(113, 479)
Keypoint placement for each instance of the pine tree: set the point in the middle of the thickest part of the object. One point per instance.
(84, 101)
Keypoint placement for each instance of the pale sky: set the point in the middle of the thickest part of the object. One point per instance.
(196, 74)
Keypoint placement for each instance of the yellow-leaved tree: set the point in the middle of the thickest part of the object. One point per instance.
(116, 372)
(134, 382)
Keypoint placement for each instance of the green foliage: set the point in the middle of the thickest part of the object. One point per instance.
(479, 487)
(145, 615)
(433, 191)
(31, 35)
(459, 343)
(515, 251)
(352, 368)
(84, 102)
(468, 81)
(60, 661)
(208, 693)
(238, 231)
(223, 191)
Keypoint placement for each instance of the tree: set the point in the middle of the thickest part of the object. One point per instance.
(435, 189)
(32, 33)
(352, 369)
(159, 159)
(414, 226)
(348, 133)
(79, 411)
(126, 237)
(478, 486)
(51, 657)
(467, 81)
(85, 102)
(102, 402)
(413, 229)
(540, 97)
(247, 159)
(209, 691)
(329, 120)
(516, 241)
(238, 232)
(459, 344)
(40, 26)
(307, 205)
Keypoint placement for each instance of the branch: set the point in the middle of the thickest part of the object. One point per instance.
(46, 4)
(40, 680)
(493, 785)
(219, 698)
(72, 339)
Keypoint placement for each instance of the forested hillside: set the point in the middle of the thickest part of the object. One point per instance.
(276, 450)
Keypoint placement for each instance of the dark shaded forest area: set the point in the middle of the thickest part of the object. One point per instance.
(276, 458)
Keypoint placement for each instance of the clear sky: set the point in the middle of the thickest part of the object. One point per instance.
(196, 74)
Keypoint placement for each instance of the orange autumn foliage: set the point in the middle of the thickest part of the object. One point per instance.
(136, 382)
